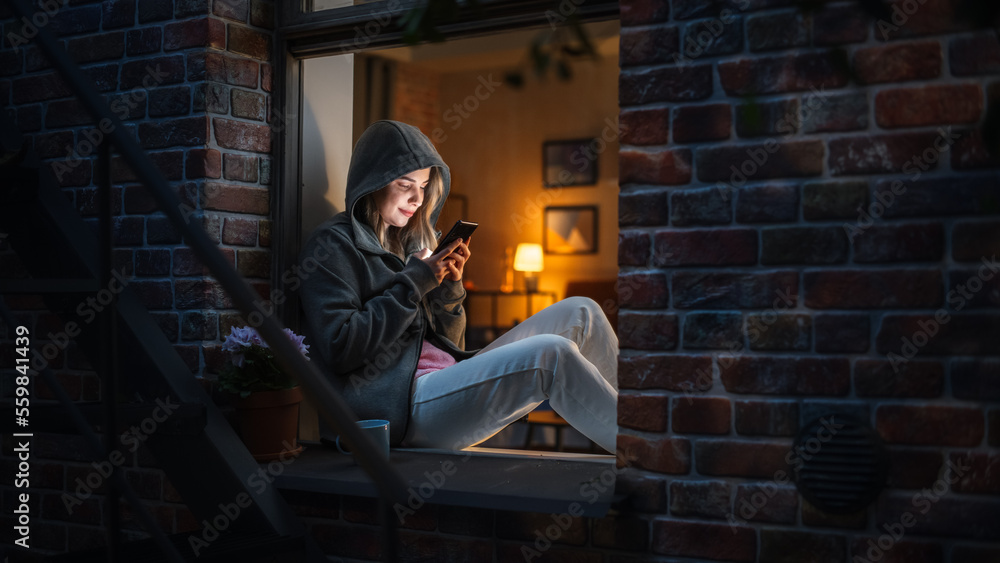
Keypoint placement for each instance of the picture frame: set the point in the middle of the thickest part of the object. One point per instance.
(570, 229)
(569, 163)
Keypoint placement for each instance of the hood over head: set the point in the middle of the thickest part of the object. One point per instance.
(387, 150)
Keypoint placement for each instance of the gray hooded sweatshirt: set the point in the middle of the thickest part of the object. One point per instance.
(366, 311)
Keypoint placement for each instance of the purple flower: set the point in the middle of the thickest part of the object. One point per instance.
(239, 338)
(297, 340)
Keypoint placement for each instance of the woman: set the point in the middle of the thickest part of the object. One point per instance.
(387, 319)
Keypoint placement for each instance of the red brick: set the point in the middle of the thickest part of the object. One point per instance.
(704, 247)
(767, 502)
(185, 131)
(216, 67)
(706, 499)
(238, 199)
(700, 415)
(709, 541)
(512, 553)
(633, 248)
(667, 167)
(465, 521)
(254, 263)
(978, 380)
(648, 45)
(200, 32)
(266, 76)
(241, 232)
(787, 546)
(778, 375)
(840, 24)
(666, 455)
(262, 13)
(242, 136)
(780, 30)
(96, 47)
(641, 12)
(930, 17)
(740, 459)
(642, 291)
(879, 154)
(738, 164)
(921, 242)
(645, 126)
(264, 234)
(877, 378)
(647, 331)
(904, 336)
(146, 73)
(204, 163)
(674, 373)
(232, 9)
(732, 290)
(143, 41)
(240, 167)
(975, 55)
(786, 73)
(930, 425)
(912, 468)
(713, 330)
(803, 245)
(621, 533)
(249, 105)
(951, 515)
(898, 62)
(153, 294)
(643, 208)
(249, 42)
(668, 84)
(770, 331)
(864, 548)
(767, 203)
(828, 112)
(873, 289)
(702, 123)
(169, 163)
(187, 264)
(929, 105)
(643, 412)
(976, 472)
(38, 88)
(950, 195)
(767, 418)
(759, 119)
(711, 38)
(707, 206)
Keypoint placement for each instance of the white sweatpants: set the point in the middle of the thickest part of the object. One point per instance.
(566, 353)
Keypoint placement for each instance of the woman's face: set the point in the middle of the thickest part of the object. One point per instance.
(398, 201)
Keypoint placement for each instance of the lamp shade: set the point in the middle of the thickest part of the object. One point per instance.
(528, 258)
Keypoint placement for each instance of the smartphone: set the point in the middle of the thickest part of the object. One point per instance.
(461, 230)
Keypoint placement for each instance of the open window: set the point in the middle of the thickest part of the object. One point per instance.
(344, 70)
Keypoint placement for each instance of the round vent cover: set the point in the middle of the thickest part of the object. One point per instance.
(839, 464)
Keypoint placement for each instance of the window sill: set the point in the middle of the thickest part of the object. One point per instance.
(547, 482)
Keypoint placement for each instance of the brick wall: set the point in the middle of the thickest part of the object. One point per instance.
(801, 193)
(748, 306)
(192, 82)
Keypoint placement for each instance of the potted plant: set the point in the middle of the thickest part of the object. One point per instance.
(267, 400)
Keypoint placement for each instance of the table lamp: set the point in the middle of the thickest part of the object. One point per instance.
(528, 259)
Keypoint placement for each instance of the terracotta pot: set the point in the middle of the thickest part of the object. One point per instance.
(269, 423)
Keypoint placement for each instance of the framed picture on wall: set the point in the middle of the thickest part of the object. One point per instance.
(570, 230)
(569, 163)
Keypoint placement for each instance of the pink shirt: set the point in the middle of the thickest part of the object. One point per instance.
(431, 359)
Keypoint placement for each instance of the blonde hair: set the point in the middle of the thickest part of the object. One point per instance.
(418, 232)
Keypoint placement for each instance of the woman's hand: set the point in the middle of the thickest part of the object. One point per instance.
(442, 263)
(458, 258)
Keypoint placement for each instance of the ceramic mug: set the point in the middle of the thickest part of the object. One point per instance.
(377, 430)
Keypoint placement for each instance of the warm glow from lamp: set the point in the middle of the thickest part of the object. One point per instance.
(528, 259)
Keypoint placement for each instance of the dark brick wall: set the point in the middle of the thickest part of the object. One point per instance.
(760, 147)
(191, 80)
